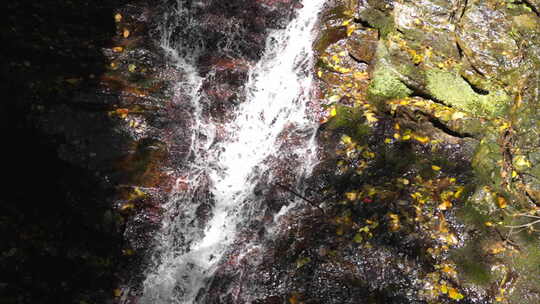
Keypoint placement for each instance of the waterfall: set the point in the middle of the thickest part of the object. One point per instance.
(189, 249)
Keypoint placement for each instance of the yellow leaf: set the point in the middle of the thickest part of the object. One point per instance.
(436, 168)
(445, 205)
(368, 154)
(521, 161)
(416, 195)
(360, 75)
(118, 49)
(421, 139)
(139, 192)
(350, 29)
(406, 137)
(449, 270)
(127, 206)
(125, 33)
(132, 68)
(497, 248)
(504, 126)
(454, 294)
(333, 112)
(346, 139)
(370, 116)
(319, 73)
(394, 221)
(446, 195)
(387, 140)
(118, 17)
(459, 191)
(444, 288)
(346, 22)
(488, 224)
(502, 202)
(351, 196)
(403, 181)
(451, 239)
(397, 136)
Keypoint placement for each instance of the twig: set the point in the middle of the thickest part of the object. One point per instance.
(300, 196)
(524, 225)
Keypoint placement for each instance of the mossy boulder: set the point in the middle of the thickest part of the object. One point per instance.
(386, 85)
(453, 90)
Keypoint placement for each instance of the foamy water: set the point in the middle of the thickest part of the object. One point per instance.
(277, 92)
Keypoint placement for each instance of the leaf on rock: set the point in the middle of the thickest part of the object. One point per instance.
(501, 201)
(454, 294)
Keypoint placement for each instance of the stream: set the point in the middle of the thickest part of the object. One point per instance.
(231, 164)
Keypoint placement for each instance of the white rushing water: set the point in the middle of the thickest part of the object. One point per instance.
(277, 92)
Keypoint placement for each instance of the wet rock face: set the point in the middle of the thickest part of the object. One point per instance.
(225, 38)
(231, 28)
(429, 164)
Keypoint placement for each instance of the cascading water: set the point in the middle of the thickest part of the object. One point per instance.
(223, 174)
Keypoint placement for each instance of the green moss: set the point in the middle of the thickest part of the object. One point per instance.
(386, 85)
(452, 89)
